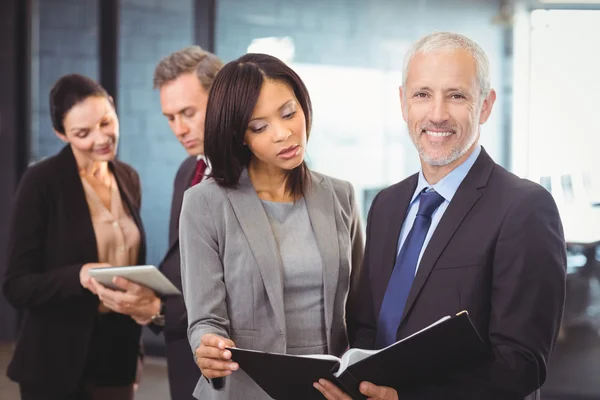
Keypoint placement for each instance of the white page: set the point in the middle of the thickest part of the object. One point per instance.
(353, 356)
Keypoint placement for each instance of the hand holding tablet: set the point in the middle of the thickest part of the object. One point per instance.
(145, 275)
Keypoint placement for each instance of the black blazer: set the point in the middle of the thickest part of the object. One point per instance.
(176, 315)
(51, 238)
(498, 252)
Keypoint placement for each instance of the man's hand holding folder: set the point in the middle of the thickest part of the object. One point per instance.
(374, 392)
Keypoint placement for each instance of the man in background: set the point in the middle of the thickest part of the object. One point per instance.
(183, 79)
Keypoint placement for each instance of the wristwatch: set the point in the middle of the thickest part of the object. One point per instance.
(158, 319)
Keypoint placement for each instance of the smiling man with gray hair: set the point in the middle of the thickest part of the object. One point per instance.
(461, 234)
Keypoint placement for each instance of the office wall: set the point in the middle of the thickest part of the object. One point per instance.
(149, 31)
(65, 40)
(350, 54)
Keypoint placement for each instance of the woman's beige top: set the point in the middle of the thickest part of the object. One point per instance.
(117, 235)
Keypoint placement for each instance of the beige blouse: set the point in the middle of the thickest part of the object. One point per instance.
(117, 235)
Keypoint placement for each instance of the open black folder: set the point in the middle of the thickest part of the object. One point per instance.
(448, 343)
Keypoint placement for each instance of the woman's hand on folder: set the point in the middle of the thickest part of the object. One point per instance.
(213, 358)
(373, 392)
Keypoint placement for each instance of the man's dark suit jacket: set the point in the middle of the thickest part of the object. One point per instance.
(183, 371)
(176, 315)
(51, 238)
(499, 253)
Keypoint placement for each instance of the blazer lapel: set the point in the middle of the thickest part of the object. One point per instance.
(320, 205)
(257, 229)
(462, 202)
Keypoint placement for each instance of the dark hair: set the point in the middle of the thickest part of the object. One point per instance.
(231, 102)
(68, 91)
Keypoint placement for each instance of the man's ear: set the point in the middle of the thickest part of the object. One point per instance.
(486, 107)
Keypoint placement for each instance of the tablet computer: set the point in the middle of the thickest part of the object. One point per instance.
(145, 275)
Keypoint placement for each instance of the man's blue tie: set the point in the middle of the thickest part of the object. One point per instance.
(403, 274)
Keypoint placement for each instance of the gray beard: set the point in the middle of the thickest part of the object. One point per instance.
(455, 153)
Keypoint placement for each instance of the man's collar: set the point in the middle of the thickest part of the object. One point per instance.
(448, 185)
